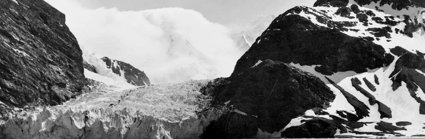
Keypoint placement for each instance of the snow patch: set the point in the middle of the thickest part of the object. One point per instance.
(256, 64)
(106, 80)
(336, 77)
(240, 112)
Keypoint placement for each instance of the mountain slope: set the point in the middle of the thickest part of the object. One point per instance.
(113, 72)
(371, 59)
(131, 74)
(264, 99)
(40, 61)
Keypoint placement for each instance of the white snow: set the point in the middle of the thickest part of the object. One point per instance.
(240, 112)
(256, 64)
(411, 44)
(336, 77)
(104, 74)
(106, 80)
(339, 103)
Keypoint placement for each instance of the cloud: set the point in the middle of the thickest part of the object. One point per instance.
(170, 44)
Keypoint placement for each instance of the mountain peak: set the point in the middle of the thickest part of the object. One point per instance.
(395, 4)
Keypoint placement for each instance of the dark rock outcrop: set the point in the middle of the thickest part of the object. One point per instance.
(334, 3)
(343, 11)
(403, 123)
(409, 69)
(362, 110)
(388, 127)
(356, 84)
(376, 79)
(90, 67)
(381, 32)
(369, 84)
(269, 92)
(132, 75)
(40, 61)
(383, 109)
(395, 4)
(333, 50)
(316, 128)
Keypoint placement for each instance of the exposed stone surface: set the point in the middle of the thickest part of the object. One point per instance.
(356, 84)
(90, 67)
(370, 85)
(407, 70)
(395, 4)
(316, 128)
(384, 110)
(131, 74)
(334, 3)
(332, 50)
(344, 12)
(40, 61)
(403, 123)
(269, 92)
(376, 79)
(361, 109)
(388, 127)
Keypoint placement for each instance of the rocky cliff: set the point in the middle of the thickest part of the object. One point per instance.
(368, 53)
(40, 60)
(264, 99)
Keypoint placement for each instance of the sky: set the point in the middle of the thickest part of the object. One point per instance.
(170, 40)
(227, 12)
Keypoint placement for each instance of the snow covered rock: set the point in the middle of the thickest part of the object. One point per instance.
(113, 72)
(334, 51)
(368, 52)
(133, 75)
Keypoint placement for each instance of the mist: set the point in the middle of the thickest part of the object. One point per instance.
(170, 44)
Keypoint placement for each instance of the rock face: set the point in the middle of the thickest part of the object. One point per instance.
(409, 69)
(374, 53)
(395, 4)
(266, 97)
(133, 75)
(410, 11)
(40, 61)
(334, 51)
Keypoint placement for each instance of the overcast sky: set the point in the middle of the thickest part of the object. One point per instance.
(236, 12)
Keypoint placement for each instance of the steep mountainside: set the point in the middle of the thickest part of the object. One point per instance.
(40, 61)
(133, 75)
(113, 72)
(264, 99)
(371, 59)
